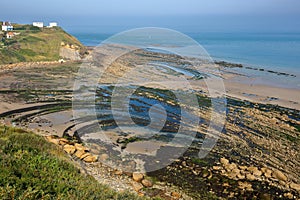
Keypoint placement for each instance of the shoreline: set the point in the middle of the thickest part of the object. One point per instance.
(263, 130)
(237, 85)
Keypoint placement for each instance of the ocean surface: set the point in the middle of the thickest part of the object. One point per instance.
(271, 51)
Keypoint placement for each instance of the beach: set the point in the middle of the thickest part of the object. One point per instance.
(262, 119)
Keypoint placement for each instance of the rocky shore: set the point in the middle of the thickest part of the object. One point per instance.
(257, 156)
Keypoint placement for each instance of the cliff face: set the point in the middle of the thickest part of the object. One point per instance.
(47, 44)
(69, 52)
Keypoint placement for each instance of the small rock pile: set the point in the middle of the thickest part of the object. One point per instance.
(252, 173)
(74, 149)
(138, 180)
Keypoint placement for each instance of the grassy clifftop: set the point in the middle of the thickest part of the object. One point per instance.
(34, 44)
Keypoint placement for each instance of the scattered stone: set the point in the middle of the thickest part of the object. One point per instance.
(231, 166)
(265, 197)
(118, 172)
(257, 173)
(90, 159)
(243, 167)
(103, 157)
(288, 195)
(217, 168)
(267, 172)
(224, 161)
(137, 186)
(176, 195)
(85, 155)
(70, 149)
(250, 177)
(147, 183)
(295, 186)
(252, 169)
(279, 175)
(241, 176)
(137, 176)
(225, 184)
(79, 153)
(53, 140)
(80, 147)
(205, 174)
(245, 186)
(63, 141)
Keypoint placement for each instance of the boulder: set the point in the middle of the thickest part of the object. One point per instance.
(279, 175)
(241, 176)
(79, 153)
(137, 176)
(288, 195)
(63, 141)
(70, 149)
(295, 186)
(231, 166)
(137, 186)
(250, 177)
(243, 167)
(224, 161)
(53, 140)
(80, 147)
(245, 186)
(147, 183)
(85, 155)
(217, 168)
(267, 172)
(257, 173)
(90, 159)
(176, 195)
(118, 172)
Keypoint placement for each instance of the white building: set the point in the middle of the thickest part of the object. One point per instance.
(6, 26)
(38, 24)
(52, 24)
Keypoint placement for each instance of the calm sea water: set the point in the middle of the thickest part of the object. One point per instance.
(276, 51)
(271, 51)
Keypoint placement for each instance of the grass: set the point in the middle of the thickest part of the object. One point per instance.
(36, 45)
(32, 168)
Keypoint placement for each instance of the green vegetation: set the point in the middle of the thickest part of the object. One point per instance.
(35, 44)
(32, 168)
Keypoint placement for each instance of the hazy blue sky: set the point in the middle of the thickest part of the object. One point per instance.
(210, 15)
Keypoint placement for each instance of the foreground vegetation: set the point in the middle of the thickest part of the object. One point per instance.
(31, 168)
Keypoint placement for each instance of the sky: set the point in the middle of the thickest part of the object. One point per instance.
(210, 15)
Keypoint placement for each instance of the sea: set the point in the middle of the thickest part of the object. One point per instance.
(278, 52)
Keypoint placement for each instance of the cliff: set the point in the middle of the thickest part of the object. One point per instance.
(32, 44)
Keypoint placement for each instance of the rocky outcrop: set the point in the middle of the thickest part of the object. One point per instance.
(69, 52)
